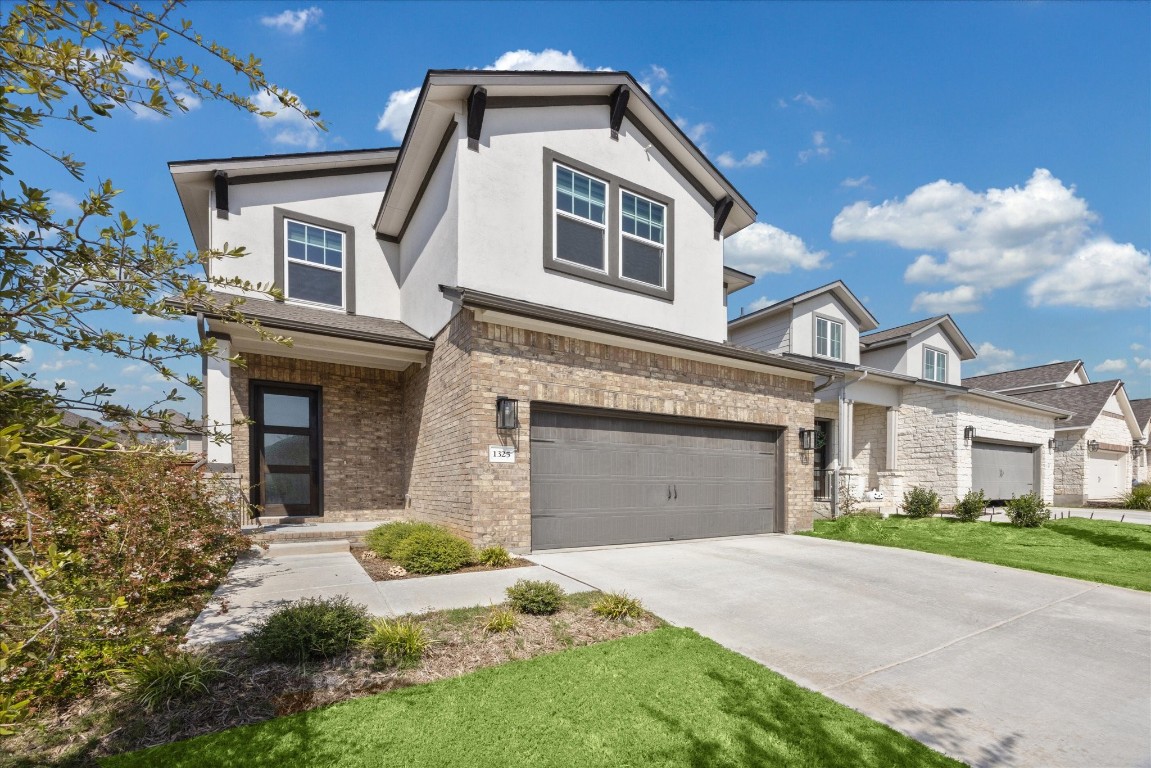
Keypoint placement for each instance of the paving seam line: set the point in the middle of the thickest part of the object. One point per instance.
(592, 587)
(968, 636)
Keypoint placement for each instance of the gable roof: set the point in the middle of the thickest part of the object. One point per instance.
(1084, 401)
(1142, 409)
(902, 333)
(863, 318)
(434, 117)
(1053, 374)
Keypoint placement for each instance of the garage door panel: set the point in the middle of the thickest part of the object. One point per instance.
(1002, 471)
(602, 479)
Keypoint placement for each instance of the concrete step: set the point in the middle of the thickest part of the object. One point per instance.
(353, 532)
(316, 547)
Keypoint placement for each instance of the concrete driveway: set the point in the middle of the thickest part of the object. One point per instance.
(992, 665)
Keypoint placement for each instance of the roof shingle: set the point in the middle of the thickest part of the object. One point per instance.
(1052, 374)
(1085, 401)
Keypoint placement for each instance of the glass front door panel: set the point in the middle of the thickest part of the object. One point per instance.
(286, 410)
(286, 441)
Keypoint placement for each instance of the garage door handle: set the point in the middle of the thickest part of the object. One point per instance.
(669, 493)
(675, 491)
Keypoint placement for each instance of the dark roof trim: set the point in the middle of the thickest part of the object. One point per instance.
(791, 301)
(259, 178)
(667, 155)
(479, 300)
(277, 156)
(528, 102)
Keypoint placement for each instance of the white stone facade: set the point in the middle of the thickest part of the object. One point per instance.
(1072, 485)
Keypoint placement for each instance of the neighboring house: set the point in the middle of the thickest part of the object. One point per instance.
(177, 433)
(1095, 447)
(1142, 411)
(898, 416)
(513, 325)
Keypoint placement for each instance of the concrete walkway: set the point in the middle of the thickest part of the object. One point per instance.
(258, 585)
(995, 666)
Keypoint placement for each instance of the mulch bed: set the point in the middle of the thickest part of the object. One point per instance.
(108, 723)
(379, 568)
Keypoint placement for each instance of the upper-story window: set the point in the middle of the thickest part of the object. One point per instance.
(828, 338)
(605, 229)
(315, 260)
(934, 365)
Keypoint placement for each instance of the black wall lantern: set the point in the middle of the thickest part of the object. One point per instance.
(507, 413)
(969, 433)
(1051, 443)
(1093, 445)
(807, 439)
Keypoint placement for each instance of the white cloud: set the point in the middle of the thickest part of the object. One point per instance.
(65, 205)
(750, 160)
(992, 359)
(1143, 363)
(1001, 237)
(58, 364)
(818, 148)
(140, 72)
(958, 300)
(66, 384)
(807, 100)
(695, 131)
(1136, 346)
(398, 113)
(656, 80)
(762, 248)
(1111, 366)
(851, 183)
(760, 303)
(294, 22)
(287, 126)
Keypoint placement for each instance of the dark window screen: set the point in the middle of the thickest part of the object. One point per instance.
(579, 243)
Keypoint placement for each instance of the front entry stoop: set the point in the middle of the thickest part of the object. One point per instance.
(313, 547)
(287, 539)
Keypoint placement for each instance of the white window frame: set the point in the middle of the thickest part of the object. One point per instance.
(938, 354)
(340, 269)
(556, 212)
(815, 346)
(662, 246)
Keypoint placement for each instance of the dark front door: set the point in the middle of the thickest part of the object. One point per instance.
(820, 459)
(286, 449)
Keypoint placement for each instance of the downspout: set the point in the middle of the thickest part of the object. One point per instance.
(204, 394)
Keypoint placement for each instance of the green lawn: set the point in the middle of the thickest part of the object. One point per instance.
(1095, 550)
(666, 698)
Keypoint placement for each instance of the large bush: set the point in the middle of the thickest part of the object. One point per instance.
(971, 507)
(383, 539)
(1027, 511)
(308, 629)
(920, 502)
(1138, 498)
(120, 543)
(434, 551)
(538, 598)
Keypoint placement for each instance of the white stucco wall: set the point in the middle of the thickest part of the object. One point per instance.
(351, 200)
(501, 220)
(803, 327)
(935, 338)
(887, 359)
(771, 334)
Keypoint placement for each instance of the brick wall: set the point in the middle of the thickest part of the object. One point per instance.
(363, 446)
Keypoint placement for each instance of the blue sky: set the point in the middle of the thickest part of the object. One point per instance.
(992, 160)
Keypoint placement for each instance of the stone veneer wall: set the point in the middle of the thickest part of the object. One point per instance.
(1014, 425)
(1071, 481)
(534, 367)
(927, 444)
(869, 444)
(363, 446)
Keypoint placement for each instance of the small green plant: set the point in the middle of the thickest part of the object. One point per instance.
(501, 620)
(383, 539)
(397, 642)
(848, 501)
(971, 507)
(157, 680)
(11, 713)
(618, 606)
(920, 502)
(434, 551)
(495, 557)
(313, 628)
(538, 598)
(1027, 511)
(1139, 497)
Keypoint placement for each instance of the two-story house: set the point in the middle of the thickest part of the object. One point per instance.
(514, 325)
(898, 416)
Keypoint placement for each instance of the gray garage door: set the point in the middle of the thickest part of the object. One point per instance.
(1002, 470)
(601, 478)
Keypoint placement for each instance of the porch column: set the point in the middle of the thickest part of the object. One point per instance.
(892, 439)
(846, 434)
(218, 404)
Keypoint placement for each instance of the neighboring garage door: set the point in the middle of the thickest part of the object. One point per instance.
(599, 478)
(1002, 471)
(1105, 475)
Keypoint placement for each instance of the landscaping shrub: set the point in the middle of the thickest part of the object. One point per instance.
(159, 679)
(1139, 497)
(313, 628)
(538, 598)
(495, 557)
(617, 606)
(920, 502)
(397, 642)
(433, 550)
(1028, 511)
(971, 507)
(501, 620)
(383, 539)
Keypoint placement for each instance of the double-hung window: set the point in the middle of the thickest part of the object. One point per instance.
(642, 234)
(828, 338)
(934, 365)
(315, 264)
(580, 219)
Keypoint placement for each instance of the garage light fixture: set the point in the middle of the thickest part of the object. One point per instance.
(507, 413)
(969, 433)
(1051, 443)
(1093, 445)
(807, 439)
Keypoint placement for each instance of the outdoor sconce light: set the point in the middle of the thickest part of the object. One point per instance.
(807, 439)
(968, 433)
(1093, 445)
(1051, 443)
(507, 413)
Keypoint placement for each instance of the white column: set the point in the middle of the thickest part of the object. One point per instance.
(892, 439)
(218, 397)
(846, 433)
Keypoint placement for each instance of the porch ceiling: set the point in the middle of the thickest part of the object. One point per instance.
(324, 349)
